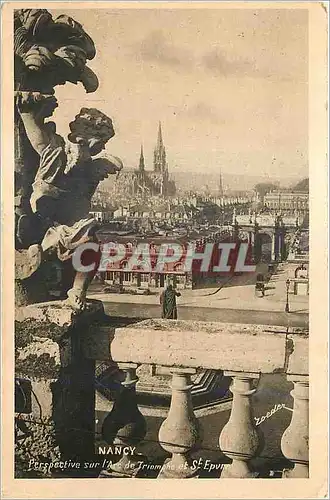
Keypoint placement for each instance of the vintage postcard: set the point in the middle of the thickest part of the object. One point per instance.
(164, 250)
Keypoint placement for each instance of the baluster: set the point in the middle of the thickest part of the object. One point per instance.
(125, 425)
(180, 433)
(294, 441)
(240, 439)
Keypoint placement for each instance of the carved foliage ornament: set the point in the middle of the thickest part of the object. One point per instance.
(50, 52)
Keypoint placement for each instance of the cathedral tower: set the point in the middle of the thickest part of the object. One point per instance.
(160, 164)
(141, 162)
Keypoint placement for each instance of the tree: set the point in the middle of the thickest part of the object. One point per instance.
(302, 186)
(263, 188)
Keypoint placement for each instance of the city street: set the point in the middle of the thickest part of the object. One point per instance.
(235, 302)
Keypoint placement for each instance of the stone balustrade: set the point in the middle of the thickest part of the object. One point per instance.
(243, 352)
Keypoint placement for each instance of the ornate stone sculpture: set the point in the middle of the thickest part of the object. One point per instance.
(55, 179)
(50, 52)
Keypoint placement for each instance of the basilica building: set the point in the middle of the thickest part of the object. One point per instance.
(142, 183)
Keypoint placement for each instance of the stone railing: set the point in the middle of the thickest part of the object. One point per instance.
(242, 352)
(299, 258)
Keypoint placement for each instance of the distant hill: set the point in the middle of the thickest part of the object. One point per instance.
(302, 186)
(191, 181)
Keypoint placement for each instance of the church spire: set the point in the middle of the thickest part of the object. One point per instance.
(160, 153)
(160, 136)
(141, 163)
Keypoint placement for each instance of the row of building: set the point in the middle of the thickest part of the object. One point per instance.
(287, 201)
(176, 209)
(292, 203)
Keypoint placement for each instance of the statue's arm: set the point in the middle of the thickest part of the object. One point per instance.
(33, 109)
(36, 132)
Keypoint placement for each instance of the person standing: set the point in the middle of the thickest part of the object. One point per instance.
(168, 303)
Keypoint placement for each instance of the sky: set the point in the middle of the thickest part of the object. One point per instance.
(230, 87)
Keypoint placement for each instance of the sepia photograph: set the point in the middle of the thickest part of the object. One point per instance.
(165, 183)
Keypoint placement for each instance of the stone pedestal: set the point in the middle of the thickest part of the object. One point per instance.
(300, 287)
(55, 395)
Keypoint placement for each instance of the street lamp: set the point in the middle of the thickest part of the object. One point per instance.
(287, 295)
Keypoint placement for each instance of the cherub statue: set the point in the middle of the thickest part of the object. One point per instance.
(66, 179)
(47, 52)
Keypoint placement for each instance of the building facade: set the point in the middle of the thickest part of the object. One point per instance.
(286, 201)
(141, 275)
